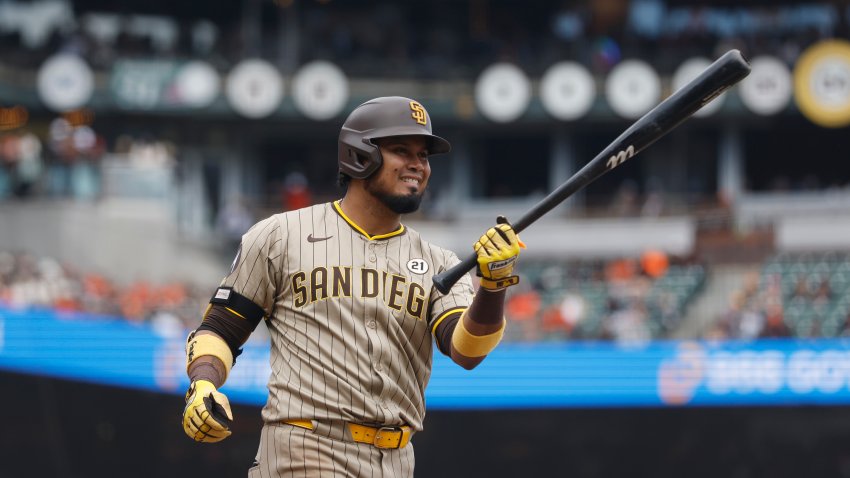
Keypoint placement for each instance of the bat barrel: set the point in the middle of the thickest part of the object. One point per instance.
(727, 70)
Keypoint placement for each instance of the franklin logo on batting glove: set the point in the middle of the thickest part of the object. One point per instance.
(495, 266)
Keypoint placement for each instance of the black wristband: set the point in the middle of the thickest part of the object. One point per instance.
(206, 370)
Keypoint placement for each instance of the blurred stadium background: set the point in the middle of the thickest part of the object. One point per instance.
(685, 315)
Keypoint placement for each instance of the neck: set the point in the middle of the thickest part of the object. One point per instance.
(368, 212)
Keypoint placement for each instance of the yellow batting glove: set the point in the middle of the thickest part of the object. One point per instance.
(207, 416)
(497, 252)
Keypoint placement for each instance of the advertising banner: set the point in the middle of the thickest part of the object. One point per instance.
(516, 375)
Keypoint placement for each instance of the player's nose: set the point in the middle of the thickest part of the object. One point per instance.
(417, 163)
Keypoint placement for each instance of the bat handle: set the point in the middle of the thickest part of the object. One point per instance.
(446, 279)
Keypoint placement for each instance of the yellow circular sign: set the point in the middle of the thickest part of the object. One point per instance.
(822, 83)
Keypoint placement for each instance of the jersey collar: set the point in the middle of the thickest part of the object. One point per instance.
(359, 229)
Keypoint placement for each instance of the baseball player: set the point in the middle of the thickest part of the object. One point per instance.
(346, 292)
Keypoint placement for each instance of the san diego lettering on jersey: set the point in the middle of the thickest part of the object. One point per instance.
(398, 292)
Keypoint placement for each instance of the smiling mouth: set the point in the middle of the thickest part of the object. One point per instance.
(411, 181)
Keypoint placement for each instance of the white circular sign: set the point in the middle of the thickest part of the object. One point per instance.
(768, 88)
(632, 88)
(320, 90)
(254, 88)
(197, 84)
(502, 92)
(567, 90)
(688, 71)
(65, 82)
(831, 82)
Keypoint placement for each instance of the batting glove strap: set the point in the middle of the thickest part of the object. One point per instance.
(494, 285)
(207, 416)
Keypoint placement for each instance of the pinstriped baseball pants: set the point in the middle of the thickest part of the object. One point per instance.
(288, 451)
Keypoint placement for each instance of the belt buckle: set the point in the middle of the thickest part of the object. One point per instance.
(387, 429)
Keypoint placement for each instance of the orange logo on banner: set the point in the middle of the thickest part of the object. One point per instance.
(679, 377)
(419, 113)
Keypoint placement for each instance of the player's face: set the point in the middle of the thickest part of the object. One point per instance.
(403, 177)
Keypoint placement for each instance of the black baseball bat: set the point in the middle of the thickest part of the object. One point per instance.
(727, 70)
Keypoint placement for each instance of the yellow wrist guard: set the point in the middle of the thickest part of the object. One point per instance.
(199, 345)
(475, 345)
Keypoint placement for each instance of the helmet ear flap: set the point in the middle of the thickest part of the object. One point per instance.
(358, 157)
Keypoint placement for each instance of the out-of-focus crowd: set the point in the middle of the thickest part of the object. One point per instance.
(29, 281)
(627, 299)
(752, 313)
(66, 166)
(73, 161)
(422, 40)
(794, 295)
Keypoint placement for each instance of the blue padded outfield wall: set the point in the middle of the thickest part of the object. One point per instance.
(563, 374)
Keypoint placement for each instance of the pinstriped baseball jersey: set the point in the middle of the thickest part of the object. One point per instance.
(351, 316)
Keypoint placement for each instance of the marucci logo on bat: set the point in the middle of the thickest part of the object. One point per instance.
(619, 158)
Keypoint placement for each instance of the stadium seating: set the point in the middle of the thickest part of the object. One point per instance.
(813, 290)
(578, 300)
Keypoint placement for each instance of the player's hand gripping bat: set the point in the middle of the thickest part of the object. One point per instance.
(729, 69)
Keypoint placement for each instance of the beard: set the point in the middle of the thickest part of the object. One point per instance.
(397, 203)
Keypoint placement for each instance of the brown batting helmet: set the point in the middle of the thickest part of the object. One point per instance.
(383, 117)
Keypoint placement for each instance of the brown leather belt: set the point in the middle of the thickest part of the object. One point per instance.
(387, 437)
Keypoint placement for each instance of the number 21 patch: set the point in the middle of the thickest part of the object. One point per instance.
(417, 266)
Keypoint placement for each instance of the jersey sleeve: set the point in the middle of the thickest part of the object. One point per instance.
(255, 274)
(450, 305)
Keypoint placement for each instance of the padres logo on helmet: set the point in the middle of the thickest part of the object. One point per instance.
(418, 113)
